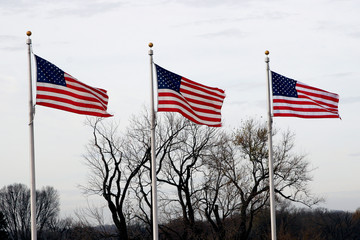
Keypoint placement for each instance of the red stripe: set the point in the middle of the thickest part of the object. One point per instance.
(303, 109)
(186, 115)
(316, 95)
(71, 94)
(313, 88)
(304, 116)
(311, 102)
(199, 95)
(100, 91)
(86, 91)
(199, 84)
(184, 104)
(97, 114)
(184, 83)
(80, 89)
(170, 102)
(65, 100)
(206, 104)
(162, 105)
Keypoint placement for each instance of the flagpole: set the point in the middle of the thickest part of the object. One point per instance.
(32, 151)
(153, 156)
(271, 170)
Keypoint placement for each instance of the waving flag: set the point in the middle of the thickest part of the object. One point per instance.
(57, 89)
(292, 98)
(198, 103)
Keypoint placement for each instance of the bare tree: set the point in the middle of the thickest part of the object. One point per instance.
(3, 226)
(181, 172)
(47, 207)
(219, 199)
(244, 189)
(203, 173)
(15, 205)
(113, 169)
(120, 167)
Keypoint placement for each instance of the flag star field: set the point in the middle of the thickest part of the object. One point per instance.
(167, 79)
(49, 73)
(283, 86)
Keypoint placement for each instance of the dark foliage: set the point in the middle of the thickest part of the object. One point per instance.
(3, 233)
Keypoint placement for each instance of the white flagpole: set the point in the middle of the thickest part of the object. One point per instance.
(153, 156)
(271, 170)
(32, 151)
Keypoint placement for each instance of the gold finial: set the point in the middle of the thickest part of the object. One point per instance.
(28, 33)
(151, 44)
(267, 52)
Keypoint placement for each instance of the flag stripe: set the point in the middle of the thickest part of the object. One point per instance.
(217, 90)
(300, 100)
(69, 108)
(303, 90)
(87, 90)
(174, 104)
(192, 102)
(297, 114)
(72, 101)
(204, 98)
(178, 109)
(45, 89)
(211, 93)
(175, 98)
(302, 109)
(201, 101)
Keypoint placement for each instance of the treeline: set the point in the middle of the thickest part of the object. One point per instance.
(208, 178)
(292, 224)
(212, 183)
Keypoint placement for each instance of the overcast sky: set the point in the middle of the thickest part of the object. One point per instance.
(217, 43)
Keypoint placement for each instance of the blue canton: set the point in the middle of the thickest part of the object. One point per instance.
(283, 86)
(49, 73)
(167, 79)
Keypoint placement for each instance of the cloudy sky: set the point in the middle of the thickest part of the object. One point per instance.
(104, 43)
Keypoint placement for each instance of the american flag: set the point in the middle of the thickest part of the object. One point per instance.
(292, 98)
(57, 89)
(198, 103)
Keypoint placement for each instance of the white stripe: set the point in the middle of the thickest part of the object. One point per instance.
(315, 99)
(60, 87)
(215, 91)
(323, 93)
(312, 101)
(70, 106)
(86, 88)
(190, 96)
(188, 113)
(220, 99)
(304, 106)
(164, 105)
(305, 113)
(319, 91)
(64, 96)
(186, 96)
